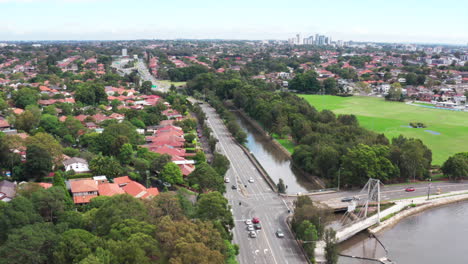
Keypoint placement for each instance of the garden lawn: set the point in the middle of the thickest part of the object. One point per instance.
(176, 84)
(392, 118)
(286, 143)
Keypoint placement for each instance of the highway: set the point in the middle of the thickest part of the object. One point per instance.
(255, 200)
(147, 76)
(142, 71)
(390, 192)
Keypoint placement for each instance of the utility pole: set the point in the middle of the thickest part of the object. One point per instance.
(378, 202)
(339, 175)
(429, 189)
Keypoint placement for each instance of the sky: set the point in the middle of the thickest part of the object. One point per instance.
(413, 21)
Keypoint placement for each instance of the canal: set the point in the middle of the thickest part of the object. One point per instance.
(439, 235)
(275, 162)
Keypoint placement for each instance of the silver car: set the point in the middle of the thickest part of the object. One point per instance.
(248, 222)
(252, 234)
(250, 228)
(279, 233)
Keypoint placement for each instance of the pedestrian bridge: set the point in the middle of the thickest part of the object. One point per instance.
(352, 229)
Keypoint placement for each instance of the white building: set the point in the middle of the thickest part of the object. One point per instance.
(79, 165)
(124, 52)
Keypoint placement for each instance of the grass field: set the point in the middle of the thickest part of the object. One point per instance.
(286, 143)
(176, 84)
(392, 118)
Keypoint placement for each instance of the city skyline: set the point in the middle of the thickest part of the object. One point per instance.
(361, 21)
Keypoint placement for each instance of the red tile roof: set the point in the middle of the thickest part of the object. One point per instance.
(45, 185)
(83, 199)
(135, 189)
(109, 189)
(122, 180)
(86, 185)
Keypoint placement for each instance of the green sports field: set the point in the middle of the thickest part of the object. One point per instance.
(392, 118)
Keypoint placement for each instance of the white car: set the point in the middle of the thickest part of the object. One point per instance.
(250, 228)
(226, 180)
(252, 234)
(251, 180)
(248, 222)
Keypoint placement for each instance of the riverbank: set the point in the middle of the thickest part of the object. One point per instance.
(422, 204)
(276, 159)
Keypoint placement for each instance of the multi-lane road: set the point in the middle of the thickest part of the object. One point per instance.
(255, 200)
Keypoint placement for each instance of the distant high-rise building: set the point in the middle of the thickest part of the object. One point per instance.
(124, 52)
(298, 39)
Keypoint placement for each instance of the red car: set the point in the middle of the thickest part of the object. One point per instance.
(410, 189)
(255, 220)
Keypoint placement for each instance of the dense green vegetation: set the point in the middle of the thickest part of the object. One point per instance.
(42, 226)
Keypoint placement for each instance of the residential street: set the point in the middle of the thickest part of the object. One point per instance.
(257, 200)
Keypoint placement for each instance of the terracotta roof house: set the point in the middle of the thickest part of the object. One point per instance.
(169, 150)
(109, 189)
(186, 169)
(122, 181)
(4, 125)
(45, 185)
(83, 190)
(7, 191)
(137, 190)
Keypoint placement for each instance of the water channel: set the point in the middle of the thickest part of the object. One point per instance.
(275, 162)
(439, 235)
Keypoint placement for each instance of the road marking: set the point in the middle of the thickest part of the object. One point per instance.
(265, 250)
(256, 251)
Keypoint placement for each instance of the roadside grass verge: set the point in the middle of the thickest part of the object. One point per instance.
(286, 143)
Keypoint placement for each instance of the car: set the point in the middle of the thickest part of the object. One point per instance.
(279, 233)
(257, 226)
(255, 220)
(251, 180)
(252, 234)
(226, 180)
(250, 228)
(347, 199)
(248, 222)
(410, 189)
(234, 187)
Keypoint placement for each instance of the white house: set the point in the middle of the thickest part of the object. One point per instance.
(79, 165)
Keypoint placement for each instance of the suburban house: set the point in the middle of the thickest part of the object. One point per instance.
(7, 190)
(83, 190)
(79, 165)
(4, 125)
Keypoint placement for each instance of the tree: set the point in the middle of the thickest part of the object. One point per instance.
(52, 202)
(213, 206)
(90, 93)
(126, 153)
(281, 187)
(395, 93)
(50, 123)
(16, 214)
(27, 121)
(146, 87)
(38, 162)
(199, 157)
(74, 246)
(171, 173)
(116, 210)
(29, 244)
(363, 162)
(25, 96)
(207, 178)
(220, 163)
(331, 246)
(104, 165)
(456, 166)
(48, 143)
(330, 86)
